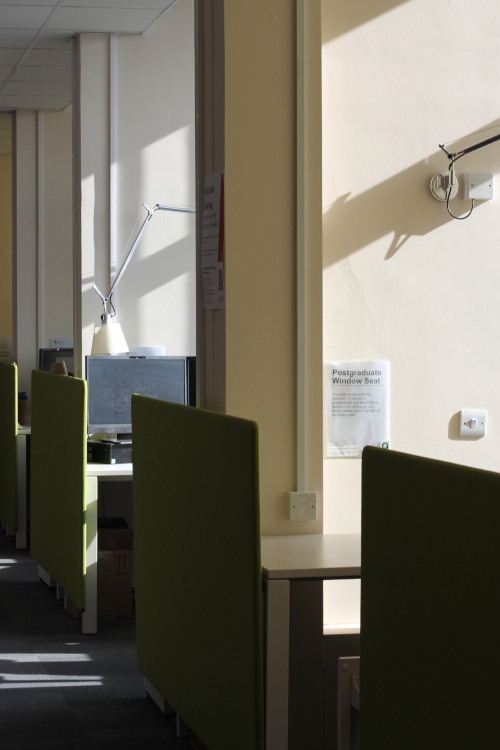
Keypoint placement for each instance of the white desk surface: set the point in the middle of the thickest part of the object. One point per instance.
(311, 556)
(111, 471)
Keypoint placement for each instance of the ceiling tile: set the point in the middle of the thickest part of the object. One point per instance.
(44, 73)
(44, 88)
(33, 102)
(54, 40)
(16, 37)
(24, 3)
(50, 57)
(10, 56)
(129, 4)
(24, 17)
(103, 20)
(45, 28)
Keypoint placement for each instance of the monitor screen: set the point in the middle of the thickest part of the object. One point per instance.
(111, 381)
(49, 357)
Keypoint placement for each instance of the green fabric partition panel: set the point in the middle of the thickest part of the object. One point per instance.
(58, 478)
(8, 444)
(430, 604)
(197, 568)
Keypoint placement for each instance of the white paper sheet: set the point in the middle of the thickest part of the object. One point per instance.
(212, 242)
(358, 407)
(6, 349)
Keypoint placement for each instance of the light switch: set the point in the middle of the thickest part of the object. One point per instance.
(472, 423)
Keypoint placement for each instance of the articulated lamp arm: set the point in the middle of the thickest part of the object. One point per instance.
(151, 211)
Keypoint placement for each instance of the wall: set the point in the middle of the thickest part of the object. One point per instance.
(210, 106)
(404, 281)
(5, 245)
(43, 235)
(155, 157)
(25, 247)
(152, 156)
(92, 187)
(56, 231)
(260, 272)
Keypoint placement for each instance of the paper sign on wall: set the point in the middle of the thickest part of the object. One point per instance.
(358, 407)
(212, 242)
(6, 349)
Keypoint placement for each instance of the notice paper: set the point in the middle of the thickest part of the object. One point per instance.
(6, 349)
(212, 242)
(358, 407)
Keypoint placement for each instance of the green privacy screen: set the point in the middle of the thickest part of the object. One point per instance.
(58, 465)
(197, 568)
(8, 444)
(430, 604)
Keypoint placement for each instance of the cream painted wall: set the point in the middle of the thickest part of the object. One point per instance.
(56, 225)
(210, 103)
(402, 280)
(154, 99)
(5, 245)
(92, 154)
(155, 157)
(24, 240)
(260, 213)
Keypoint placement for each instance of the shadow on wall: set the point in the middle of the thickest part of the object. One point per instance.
(401, 207)
(148, 280)
(346, 15)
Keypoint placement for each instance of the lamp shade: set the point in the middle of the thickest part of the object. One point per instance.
(109, 339)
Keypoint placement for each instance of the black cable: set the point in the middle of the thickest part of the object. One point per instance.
(460, 218)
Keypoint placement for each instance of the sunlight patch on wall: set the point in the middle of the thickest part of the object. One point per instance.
(175, 150)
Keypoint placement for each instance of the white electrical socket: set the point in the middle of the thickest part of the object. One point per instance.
(301, 506)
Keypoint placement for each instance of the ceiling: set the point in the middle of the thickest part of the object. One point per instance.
(35, 47)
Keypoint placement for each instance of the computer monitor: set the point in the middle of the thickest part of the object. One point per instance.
(111, 381)
(49, 357)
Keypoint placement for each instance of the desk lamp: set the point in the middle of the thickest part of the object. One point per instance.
(109, 338)
(444, 185)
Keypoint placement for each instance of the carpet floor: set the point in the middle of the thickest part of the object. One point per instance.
(60, 689)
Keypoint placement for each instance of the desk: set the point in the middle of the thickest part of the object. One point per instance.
(296, 566)
(23, 435)
(96, 473)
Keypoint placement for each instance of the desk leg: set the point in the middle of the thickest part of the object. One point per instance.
(21, 541)
(89, 616)
(277, 610)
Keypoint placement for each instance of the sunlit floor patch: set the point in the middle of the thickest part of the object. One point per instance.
(24, 658)
(47, 681)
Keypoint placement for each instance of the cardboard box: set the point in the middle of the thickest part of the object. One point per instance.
(114, 573)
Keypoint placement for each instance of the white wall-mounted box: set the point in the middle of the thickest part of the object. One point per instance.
(478, 186)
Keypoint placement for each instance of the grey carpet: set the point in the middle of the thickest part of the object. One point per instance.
(60, 689)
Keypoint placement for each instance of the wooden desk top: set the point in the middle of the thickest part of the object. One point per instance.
(311, 556)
